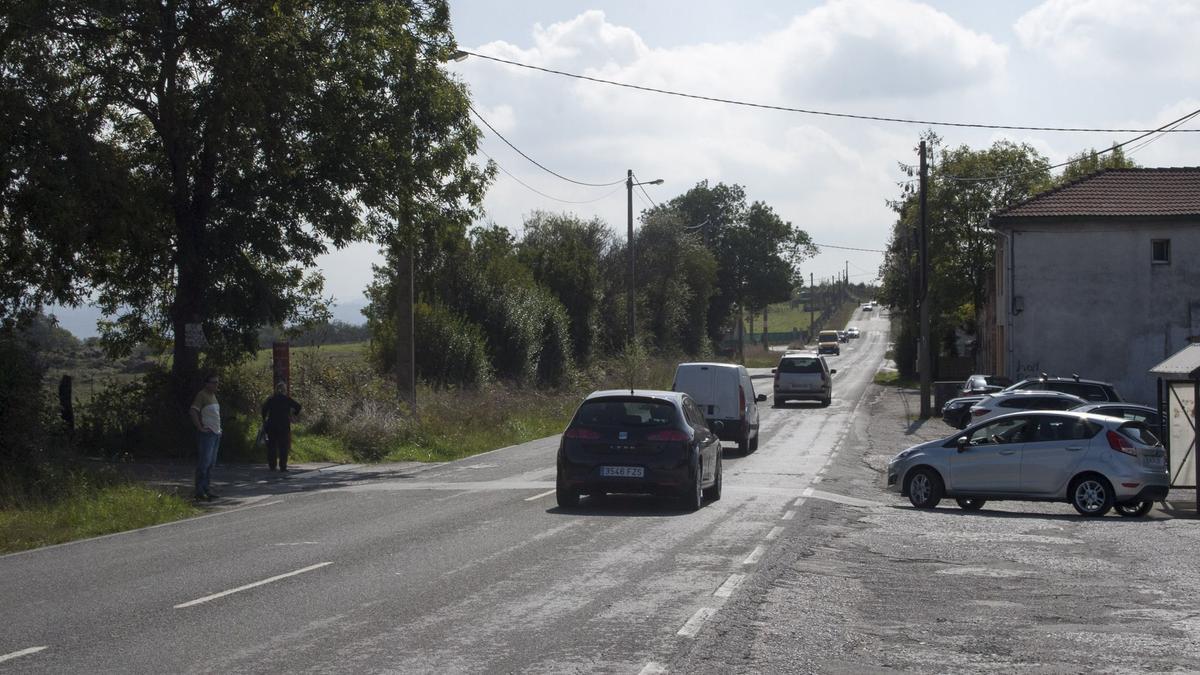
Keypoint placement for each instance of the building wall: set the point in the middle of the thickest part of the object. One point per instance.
(1091, 301)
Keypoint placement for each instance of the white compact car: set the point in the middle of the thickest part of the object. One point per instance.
(1095, 462)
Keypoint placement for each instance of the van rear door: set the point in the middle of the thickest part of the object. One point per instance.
(697, 381)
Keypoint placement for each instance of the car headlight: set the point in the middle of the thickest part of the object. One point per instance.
(904, 454)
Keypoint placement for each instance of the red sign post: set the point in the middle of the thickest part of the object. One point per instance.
(280, 366)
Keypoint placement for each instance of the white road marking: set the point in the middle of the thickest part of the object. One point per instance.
(18, 654)
(799, 502)
(730, 585)
(816, 480)
(754, 555)
(693, 625)
(653, 668)
(842, 499)
(247, 587)
(807, 492)
(547, 493)
(788, 515)
(297, 543)
(775, 532)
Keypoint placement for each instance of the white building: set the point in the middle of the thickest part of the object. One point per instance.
(1100, 278)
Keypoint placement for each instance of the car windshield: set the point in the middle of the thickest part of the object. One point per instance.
(625, 413)
(1140, 433)
(799, 364)
(828, 335)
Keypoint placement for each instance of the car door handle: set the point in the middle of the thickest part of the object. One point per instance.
(1008, 452)
(1074, 448)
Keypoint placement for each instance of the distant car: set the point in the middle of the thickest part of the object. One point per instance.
(868, 306)
(639, 441)
(1092, 390)
(976, 385)
(957, 411)
(853, 332)
(843, 336)
(803, 376)
(1012, 401)
(1129, 411)
(725, 393)
(827, 343)
(1093, 462)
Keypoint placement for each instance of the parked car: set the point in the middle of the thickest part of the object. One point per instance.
(983, 384)
(957, 411)
(1129, 411)
(843, 336)
(1092, 390)
(803, 376)
(868, 306)
(827, 343)
(1011, 401)
(853, 332)
(639, 441)
(725, 394)
(1094, 462)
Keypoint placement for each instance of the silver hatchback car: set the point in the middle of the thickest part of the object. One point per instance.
(1094, 462)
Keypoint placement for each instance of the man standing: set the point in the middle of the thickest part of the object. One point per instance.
(277, 413)
(206, 417)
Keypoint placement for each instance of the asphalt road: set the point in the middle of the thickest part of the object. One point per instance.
(467, 566)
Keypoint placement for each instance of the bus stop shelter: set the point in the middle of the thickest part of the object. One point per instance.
(1178, 391)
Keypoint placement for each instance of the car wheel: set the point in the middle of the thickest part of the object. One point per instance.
(693, 498)
(825, 402)
(754, 443)
(1091, 495)
(713, 493)
(568, 497)
(970, 503)
(780, 401)
(744, 445)
(1134, 509)
(925, 488)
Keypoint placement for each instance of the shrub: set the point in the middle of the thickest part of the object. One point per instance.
(450, 350)
(137, 418)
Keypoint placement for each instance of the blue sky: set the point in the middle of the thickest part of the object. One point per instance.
(1093, 63)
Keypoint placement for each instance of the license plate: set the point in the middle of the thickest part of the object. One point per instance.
(622, 471)
(1155, 462)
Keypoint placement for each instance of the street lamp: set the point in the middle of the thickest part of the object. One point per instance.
(629, 183)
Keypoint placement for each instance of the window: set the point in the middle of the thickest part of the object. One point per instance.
(1161, 251)
(800, 364)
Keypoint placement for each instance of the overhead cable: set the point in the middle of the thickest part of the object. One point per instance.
(529, 187)
(809, 111)
(534, 161)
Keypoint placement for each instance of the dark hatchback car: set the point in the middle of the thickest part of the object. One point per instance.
(1092, 391)
(640, 441)
(957, 411)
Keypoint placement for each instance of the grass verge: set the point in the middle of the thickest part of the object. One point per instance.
(891, 378)
(89, 513)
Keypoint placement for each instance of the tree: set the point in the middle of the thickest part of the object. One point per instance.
(676, 277)
(563, 253)
(209, 151)
(1090, 161)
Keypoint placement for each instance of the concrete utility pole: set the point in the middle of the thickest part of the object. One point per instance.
(925, 353)
(629, 282)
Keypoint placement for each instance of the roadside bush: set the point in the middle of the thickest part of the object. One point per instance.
(450, 350)
(137, 418)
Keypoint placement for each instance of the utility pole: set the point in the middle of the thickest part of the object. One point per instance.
(812, 299)
(925, 353)
(630, 284)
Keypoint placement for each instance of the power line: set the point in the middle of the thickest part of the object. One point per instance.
(535, 190)
(850, 248)
(807, 111)
(642, 187)
(534, 161)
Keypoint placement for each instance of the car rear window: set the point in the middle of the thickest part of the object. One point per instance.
(1091, 392)
(828, 336)
(1139, 432)
(625, 413)
(799, 364)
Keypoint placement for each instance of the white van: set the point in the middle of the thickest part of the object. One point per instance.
(726, 396)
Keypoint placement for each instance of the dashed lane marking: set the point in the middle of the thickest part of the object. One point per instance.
(694, 624)
(547, 493)
(841, 499)
(775, 532)
(788, 515)
(18, 654)
(256, 584)
(754, 556)
(729, 586)
(653, 668)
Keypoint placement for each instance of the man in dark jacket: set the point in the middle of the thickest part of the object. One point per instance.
(277, 413)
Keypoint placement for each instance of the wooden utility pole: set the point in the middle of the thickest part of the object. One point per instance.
(924, 355)
(406, 361)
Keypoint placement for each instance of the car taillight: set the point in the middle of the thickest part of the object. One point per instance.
(1117, 442)
(669, 436)
(582, 434)
(979, 412)
(741, 398)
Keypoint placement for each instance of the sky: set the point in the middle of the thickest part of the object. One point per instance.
(1102, 64)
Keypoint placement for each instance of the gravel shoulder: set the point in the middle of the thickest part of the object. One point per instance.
(1020, 586)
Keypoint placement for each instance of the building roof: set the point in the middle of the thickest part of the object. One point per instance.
(1155, 193)
(1183, 364)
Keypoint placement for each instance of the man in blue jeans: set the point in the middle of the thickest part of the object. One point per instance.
(206, 417)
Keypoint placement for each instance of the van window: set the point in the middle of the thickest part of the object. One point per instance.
(828, 336)
(799, 364)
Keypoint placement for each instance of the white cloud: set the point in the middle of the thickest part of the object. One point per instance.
(1146, 38)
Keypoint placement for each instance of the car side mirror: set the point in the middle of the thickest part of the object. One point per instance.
(718, 426)
(773, 371)
(962, 443)
(760, 398)
(832, 371)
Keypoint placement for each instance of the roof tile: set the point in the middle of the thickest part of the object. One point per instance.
(1117, 192)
